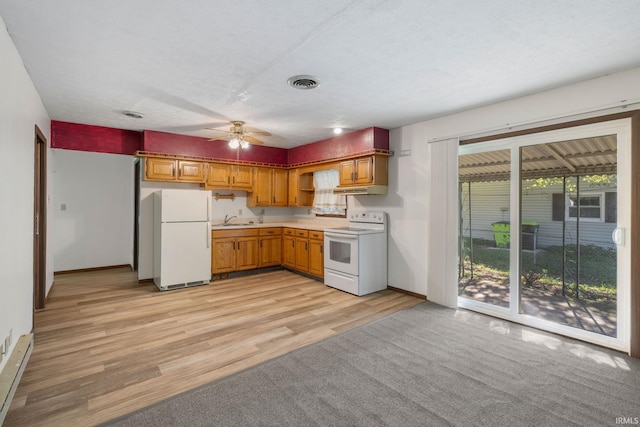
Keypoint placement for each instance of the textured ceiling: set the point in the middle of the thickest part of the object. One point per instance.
(189, 65)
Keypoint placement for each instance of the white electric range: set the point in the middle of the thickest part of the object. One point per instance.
(355, 257)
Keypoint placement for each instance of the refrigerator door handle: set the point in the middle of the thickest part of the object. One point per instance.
(208, 235)
(208, 208)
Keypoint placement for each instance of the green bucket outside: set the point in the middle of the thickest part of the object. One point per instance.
(502, 231)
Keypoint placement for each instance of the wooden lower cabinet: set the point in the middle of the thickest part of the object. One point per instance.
(303, 250)
(234, 250)
(316, 253)
(302, 254)
(289, 248)
(270, 250)
(250, 248)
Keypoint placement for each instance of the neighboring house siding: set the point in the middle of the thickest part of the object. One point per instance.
(488, 199)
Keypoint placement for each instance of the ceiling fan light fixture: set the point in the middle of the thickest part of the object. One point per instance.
(303, 82)
(234, 143)
(244, 144)
(337, 131)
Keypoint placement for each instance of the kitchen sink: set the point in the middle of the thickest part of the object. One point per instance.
(235, 224)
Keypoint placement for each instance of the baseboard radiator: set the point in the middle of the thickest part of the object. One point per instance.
(12, 372)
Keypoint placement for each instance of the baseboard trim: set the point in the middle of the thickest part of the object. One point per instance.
(404, 291)
(12, 372)
(85, 270)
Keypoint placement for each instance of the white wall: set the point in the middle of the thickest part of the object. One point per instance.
(409, 173)
(20, 110)
(93, 203)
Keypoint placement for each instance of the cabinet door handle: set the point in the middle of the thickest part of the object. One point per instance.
(293, 243)
(173, 169)
(321, 248)
(274, 199)
(228, 180)
(234, 246)
(256, 199)
(306, 247)
(260, 243)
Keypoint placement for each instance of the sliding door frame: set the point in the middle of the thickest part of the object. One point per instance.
(632, 335)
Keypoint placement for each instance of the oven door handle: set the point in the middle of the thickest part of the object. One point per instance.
(341, 236)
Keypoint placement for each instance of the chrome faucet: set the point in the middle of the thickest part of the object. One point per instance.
(227, 219)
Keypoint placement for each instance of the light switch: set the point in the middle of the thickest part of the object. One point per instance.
(63, 206)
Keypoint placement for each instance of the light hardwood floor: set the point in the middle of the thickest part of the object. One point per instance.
(106, 345)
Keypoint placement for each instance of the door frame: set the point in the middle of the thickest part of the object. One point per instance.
(634, 235)
(39, 220)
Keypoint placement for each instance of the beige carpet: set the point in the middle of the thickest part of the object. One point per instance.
(423, 366)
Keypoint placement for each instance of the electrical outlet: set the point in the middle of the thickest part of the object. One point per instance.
(239, 212)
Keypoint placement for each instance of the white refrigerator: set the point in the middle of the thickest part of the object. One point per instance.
(181, 239)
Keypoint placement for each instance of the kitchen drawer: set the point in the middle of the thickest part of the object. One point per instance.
(302, 233)
(236, 232)
(289, 231)
(316, 235)
(271, 231)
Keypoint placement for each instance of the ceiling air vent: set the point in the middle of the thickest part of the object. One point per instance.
(303, 82)
(133, 114)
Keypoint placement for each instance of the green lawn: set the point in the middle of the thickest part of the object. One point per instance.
(597, 268)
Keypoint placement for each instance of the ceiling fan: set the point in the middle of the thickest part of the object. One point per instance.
(238, 136)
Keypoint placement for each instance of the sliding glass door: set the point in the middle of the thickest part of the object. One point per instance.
(542, 224)
(484, 256)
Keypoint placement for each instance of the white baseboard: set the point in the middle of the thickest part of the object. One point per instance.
(12, 372)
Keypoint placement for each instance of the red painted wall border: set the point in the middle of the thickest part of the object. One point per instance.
(99, 139)
(74, 136)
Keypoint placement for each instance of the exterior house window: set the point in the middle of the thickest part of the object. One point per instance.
(591, 207)
(595, 207)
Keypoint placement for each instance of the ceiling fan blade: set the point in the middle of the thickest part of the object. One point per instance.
(219, 138)
(258, 133)
(252, 140)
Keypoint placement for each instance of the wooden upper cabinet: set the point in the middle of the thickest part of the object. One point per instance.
(161, 169)
(261, 188)
(347, 172)
(158, 169)
(242, 176)
(294, 185)
(364, 171)
(270, 187)
(225, 176)
(280, 187)
(190, 171)
(301, 189)
(218, 175)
